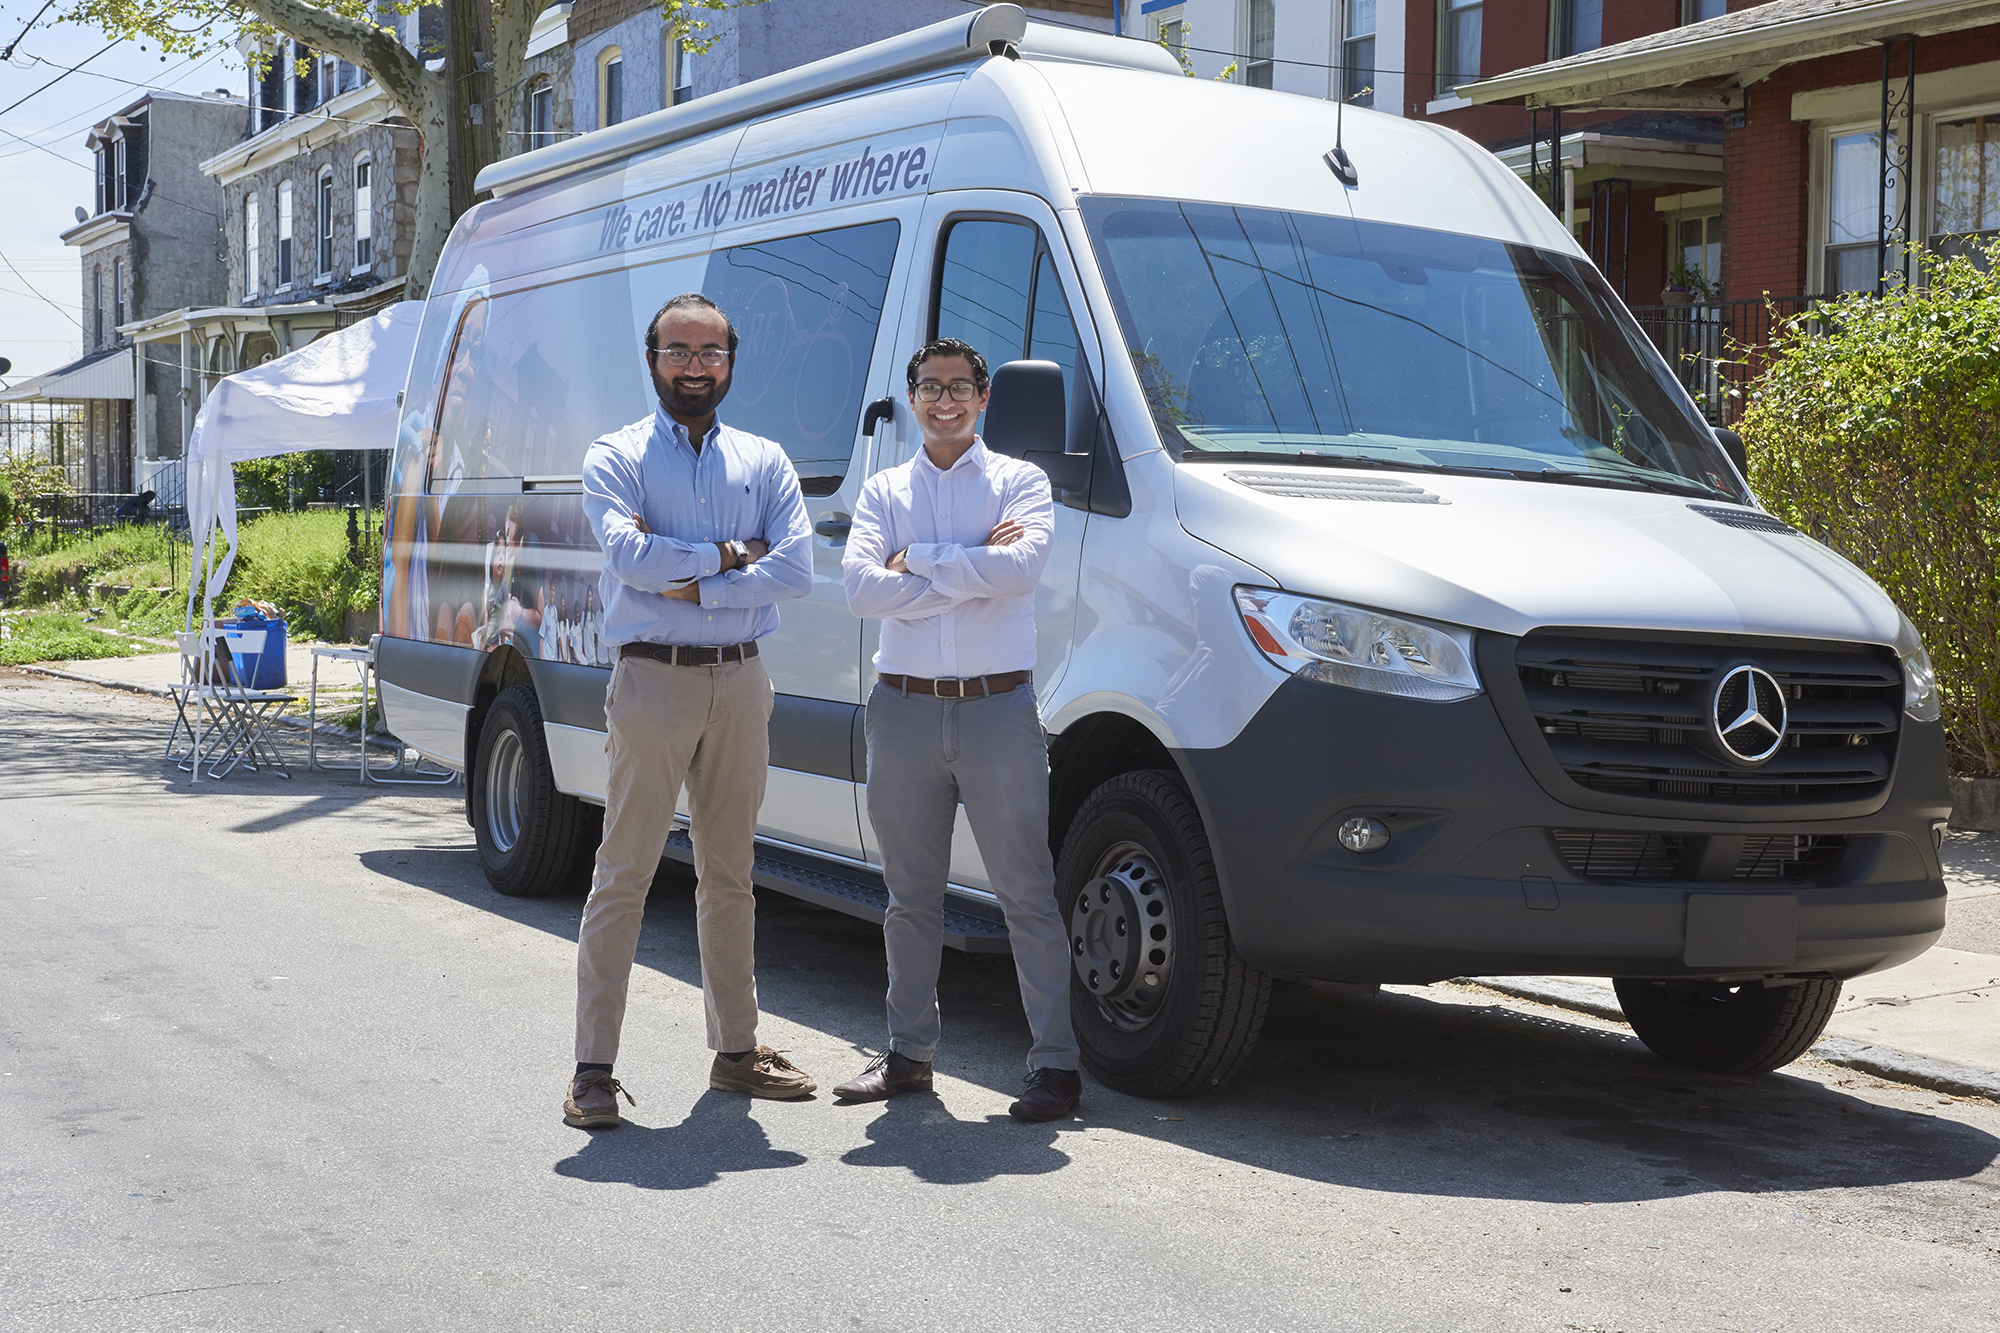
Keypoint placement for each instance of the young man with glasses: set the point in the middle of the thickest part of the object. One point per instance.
(946, 551)
(704, 531)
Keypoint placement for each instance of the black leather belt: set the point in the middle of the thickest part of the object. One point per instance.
(972, 687)
(680, 654)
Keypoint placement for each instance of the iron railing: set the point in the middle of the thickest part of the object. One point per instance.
(1716, 348)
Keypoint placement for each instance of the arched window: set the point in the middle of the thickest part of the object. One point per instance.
(680, 71)
(323, 222)
(364, 213)
(284, 234)
(253, 269)
(541, 115)
(610, 86)
(97, 305)
(117, 295)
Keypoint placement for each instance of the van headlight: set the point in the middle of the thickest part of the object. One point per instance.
(1337, 644)
(1920, 691)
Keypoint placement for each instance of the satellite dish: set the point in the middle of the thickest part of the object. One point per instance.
(5, 365)
(81, 214)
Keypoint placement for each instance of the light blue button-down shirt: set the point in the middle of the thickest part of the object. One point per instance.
(738, 487)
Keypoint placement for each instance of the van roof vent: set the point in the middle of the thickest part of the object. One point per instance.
(1750, 520)
(1336, 488)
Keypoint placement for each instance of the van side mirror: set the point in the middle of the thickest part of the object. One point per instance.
(1732, 444)
(1028, 417)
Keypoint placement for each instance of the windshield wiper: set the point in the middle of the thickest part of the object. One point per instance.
(1341, 460)
(1627, 480)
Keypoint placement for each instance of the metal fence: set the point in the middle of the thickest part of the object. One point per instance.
(1716, 348)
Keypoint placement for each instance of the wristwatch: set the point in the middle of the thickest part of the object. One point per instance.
(741, 552)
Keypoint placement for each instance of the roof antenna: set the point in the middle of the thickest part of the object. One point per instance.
(1343, 167)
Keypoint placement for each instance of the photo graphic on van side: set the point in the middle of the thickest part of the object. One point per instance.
(1404, 618)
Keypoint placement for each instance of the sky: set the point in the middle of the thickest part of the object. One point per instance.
(46, 172)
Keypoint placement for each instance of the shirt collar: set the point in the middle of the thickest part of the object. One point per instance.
(973, 459)
(675, 431)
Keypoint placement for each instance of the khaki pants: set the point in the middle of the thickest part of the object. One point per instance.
(707, 728)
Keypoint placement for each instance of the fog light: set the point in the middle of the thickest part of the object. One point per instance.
(1362, 834)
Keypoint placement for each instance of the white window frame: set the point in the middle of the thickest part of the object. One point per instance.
(1819, 230)
(323, 226)
(676, 54)
(1923, 221)
(606, 58)
(364, 211)
(287, 259)
(117, 294)
(253, 268)
(1344, 41)
(542, 90)
(1445, 9)
(1253, 61)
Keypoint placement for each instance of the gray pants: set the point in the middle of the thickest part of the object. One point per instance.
(925, 756)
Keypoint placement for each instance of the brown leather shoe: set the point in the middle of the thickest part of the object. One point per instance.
(1052, 1094)
(593, 1101)
(762, 1073)
(890, 1074)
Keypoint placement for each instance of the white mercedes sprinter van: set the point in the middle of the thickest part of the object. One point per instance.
(1406, 621)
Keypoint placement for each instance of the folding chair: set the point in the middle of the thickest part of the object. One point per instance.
(235, 717)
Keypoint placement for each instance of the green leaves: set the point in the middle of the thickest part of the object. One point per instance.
(1875, 427)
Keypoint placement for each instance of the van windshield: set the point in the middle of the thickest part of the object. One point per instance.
(1327, 340)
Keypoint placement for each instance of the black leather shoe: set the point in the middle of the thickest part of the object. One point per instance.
(1051, 1095)
(888, 1075)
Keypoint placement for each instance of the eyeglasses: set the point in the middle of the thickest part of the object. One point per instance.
(680, 356)
(962, 391)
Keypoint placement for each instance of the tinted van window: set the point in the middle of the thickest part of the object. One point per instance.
(998, 290)
(807, 309)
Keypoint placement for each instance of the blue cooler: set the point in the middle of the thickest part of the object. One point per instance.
(265, 670)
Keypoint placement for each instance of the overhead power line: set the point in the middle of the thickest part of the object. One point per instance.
(8, 54)
(59, 78)
(44, 300)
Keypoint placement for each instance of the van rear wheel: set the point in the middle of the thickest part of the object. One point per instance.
(1163, 1004)
(533, 840)
(1728, 1027)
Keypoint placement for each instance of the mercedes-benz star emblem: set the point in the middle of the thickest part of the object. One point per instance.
(1748, 718)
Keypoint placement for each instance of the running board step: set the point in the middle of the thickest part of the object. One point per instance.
(854, 892)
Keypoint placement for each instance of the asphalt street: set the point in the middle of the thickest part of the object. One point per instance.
(276, 1058)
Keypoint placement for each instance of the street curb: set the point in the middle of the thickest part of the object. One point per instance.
(283, 719)
(1881, 1061)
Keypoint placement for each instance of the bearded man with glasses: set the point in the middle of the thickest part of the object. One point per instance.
(704, 532)
(946, 551)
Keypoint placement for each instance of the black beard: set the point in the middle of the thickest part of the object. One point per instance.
(689, 405)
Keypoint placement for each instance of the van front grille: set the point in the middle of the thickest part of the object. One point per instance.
(1637, 855)
(1634, 717)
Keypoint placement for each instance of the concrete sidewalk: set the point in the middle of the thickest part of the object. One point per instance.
(1934, 1021)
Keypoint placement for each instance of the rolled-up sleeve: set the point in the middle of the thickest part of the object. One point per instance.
(785, 571)
(649, 562)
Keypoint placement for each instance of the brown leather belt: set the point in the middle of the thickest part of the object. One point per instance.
(679, 654)
(972, 687)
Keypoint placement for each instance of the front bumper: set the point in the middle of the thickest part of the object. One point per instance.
(1474, 882)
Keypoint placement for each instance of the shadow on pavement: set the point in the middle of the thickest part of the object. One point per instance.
(1396, 1093)
(719, 1137)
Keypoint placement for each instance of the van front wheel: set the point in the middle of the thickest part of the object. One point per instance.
(1729, 1028)
(1163, 1004)
(533, 839)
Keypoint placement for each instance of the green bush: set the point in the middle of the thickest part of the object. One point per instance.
(6, 506)
(1876, 429)
(300, 562)
(284, 481)
(133, 554)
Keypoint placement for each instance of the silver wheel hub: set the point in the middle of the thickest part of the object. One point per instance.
(1121, 936)
(504, 765)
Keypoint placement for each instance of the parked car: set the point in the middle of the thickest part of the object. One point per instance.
(1406, 621)
(6, 576)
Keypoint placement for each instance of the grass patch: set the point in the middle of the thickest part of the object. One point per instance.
(58, 636)
(298, 562)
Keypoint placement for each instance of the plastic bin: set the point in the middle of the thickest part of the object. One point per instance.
(265, 670)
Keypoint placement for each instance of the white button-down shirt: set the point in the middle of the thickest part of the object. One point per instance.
(963, 610)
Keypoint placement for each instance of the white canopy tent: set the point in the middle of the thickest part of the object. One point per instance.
(339, 392)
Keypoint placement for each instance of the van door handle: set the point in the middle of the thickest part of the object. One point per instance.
(882, 409)
(834, 527)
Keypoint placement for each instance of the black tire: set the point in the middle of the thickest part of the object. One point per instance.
(533, 840)
(1728, 1028)
(1154, 915)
